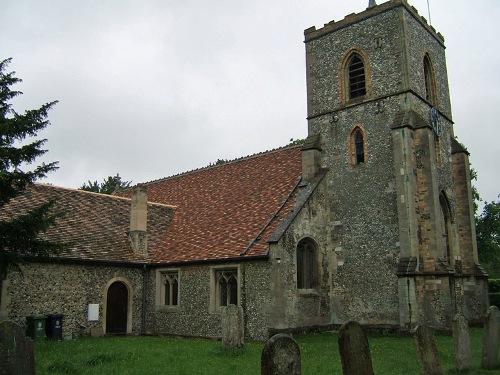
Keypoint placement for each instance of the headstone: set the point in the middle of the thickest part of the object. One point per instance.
(232, 327)
(354, 350)
(461, 341)
(491, 339)
(16, 351)
(427, 351)
(280, 356)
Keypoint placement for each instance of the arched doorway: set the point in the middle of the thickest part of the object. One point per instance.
(117, 308)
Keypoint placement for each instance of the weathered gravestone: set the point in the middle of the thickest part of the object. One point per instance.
(461, 341)
(354, 350)
(16, 350)
(280, 356)
(232, 327)
(427, 351)
(491, 339)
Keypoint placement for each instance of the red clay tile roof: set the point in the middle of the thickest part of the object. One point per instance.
(96, 225)
(227, 211)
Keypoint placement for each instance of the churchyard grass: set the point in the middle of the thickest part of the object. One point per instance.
(391, 354)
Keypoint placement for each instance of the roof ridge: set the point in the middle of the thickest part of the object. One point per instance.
(226, 162)
(101, 195)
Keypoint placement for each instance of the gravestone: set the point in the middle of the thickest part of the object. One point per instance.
(491, 339)
(232, 327)
(280, 356)
(16, 350)
(427, 351)
(461, 341)
(354, 350)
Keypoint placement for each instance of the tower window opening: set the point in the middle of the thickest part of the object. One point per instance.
(430, 87)
(359, 147)
(357, 81)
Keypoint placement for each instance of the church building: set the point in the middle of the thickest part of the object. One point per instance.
(370, 219)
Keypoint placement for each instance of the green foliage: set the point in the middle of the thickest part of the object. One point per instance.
(488, 238)
(391, 354)
(476, 198)
(494, 291)
(295, 142)
(108, 186)
(19, 148)
(494, 285)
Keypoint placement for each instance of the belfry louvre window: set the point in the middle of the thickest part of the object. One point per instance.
(357, 81)
(171, 280)
(227, 287)
(306, 264)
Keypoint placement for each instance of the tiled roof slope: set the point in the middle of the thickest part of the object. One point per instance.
(227, 211)
(96, 225)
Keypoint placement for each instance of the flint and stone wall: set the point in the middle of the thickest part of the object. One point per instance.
(196, 314)
(388, 207)
(68, 289)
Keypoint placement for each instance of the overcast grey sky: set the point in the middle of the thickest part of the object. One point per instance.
(152, 88)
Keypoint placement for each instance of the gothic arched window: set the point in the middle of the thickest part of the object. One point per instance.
(429, 81)
(446, 226)
(357, 80)
(306, 264)
(357, 146)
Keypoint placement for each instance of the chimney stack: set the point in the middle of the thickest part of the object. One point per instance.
(139, 219)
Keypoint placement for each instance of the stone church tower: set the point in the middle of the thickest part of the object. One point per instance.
(400, 219)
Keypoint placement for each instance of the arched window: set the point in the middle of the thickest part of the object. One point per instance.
(357, 80)
(227, 284)
(357, 146)
(354, 76)
(445, 226)
(306, 264)
(429, 81)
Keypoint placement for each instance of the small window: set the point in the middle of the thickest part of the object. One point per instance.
(227, 285)
(357, 146)
(429, 81)
(225, 288)
(171, 288)
(167, 289)
(357, 81)
(306, 265)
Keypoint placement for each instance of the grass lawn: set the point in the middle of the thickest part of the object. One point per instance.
(167, 355)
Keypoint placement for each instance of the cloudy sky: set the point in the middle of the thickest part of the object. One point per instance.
(152, 88)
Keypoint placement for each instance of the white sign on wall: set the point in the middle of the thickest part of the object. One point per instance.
(93, 312)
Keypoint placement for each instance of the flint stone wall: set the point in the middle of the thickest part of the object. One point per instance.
(195, 315)
(45, 288)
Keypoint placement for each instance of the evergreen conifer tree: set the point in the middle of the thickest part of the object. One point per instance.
(19, 147)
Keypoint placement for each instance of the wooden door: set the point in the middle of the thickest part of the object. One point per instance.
(117, 308)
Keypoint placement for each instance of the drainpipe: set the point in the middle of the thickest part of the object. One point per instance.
(143, 310)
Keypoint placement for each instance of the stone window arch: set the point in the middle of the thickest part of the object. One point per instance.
(355, 76)
(307, 268)
(357, 146)
(429, 81)
(446, 227)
